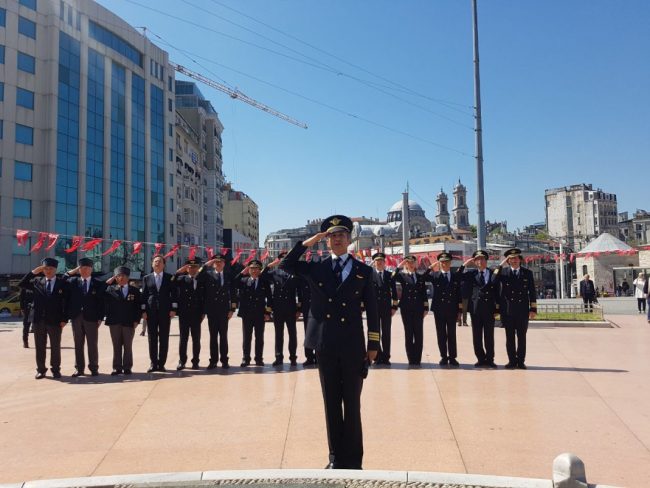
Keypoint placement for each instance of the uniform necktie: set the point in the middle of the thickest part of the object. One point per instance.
(414, 278)
(194, 283)
(85, 287)
(49, 287)
(158, 282)
(482, 278)
(516, 273)
(254, 283)
(448, 278)
(220, 279)
(338, 270)
(381, 278)
(125, 290)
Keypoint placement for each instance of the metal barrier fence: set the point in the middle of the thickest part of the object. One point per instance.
(569, 311)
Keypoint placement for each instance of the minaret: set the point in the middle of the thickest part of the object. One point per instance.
(442, 217)
(460, 211)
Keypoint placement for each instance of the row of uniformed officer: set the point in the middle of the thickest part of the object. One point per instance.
(386, 293)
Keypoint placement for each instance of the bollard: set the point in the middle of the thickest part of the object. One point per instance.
(569, 472)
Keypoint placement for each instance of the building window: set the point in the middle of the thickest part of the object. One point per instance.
(25, 98)
(2, 54)
(28, 3)
(22, 208)
(61, 10)
(170, 84)
(171, 179)
(24, 135)
(1, 128)
(23, 171)
(171, 204)
(26, 27)
(171, 154)
(3, 17)
(2, 91)
(171, 130)
(114, 42)
(26, 63)
(171, 229)
(170, 105)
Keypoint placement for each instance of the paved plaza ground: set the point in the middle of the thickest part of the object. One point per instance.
(586, 391)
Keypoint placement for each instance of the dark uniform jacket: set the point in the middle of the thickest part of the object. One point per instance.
(335, 322)
(484, 298)
(587, 289)
(447, 295)
(287, 292)
(50, 309)
(190, 299)
(90, 305)
(26, 300)
(518, 295)
(385, 291)
(120, 310)
(414, 295)
(253, 301)
(217, 298)
(164, 300)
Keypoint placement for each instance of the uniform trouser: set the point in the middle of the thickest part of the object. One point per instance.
(26, 325)
(41, 333)
(413, 334)
(341, 383)
(158, 325)
(588, 304)
(278, 322)
(85, 331)
(465, 305)
(189, 325)
(446, 332)
(122, 338)
(218, 327)
(641, 304)
(515, 327)
(385, 321)
(483, 335)
(256, 323)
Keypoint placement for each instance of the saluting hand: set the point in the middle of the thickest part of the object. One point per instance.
(468, 262)
(434, 265)
(183, 269)
(38, 270)
(504, 261)
(315, 239)
(110, 280)
(273, 263)
(74, 271)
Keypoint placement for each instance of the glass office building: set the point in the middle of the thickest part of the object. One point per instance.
(85, 103)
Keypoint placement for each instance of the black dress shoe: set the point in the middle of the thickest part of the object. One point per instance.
(162, 369)
(56, 374)
(26, 344)
(180, 367)
(453, 362)
(39, 376)
(277, 362)
(521, 366)
(211, 366)
(245, 363)
(195, 365)
(479, 364)
(77, 373)
(151, 369)
(225, 365)
(443, 362)
(294, 362)
(330, 466)
(259, 363)
(511, 365)
(94, 373)
(127, 371)
(115, 372)
(309, 362)
(491, 365)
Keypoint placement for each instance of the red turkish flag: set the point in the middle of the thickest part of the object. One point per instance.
(74, 245)
(158, 248)
(52, 240)
(91, 244)
(41, 240)
(22, 236)
(172, 251)
(192, 253)
(224, 251)
(113, 248)
(137, 247)
(264, 255)
(237, 256)
(209, 251)
(308, 256)
(251, 257)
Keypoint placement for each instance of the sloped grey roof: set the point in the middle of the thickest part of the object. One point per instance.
(605, 242)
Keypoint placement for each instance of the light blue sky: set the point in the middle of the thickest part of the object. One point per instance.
(565, 89)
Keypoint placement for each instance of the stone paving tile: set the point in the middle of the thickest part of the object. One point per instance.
(586, 391)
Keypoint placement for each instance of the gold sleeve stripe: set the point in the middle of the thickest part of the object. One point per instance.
(373, 336)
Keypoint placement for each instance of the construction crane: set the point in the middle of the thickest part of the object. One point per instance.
(236, 94)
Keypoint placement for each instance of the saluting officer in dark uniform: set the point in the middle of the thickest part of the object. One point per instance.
(86, 311)
(254, 308)
(483, 307)
(386, 293)
(518, 305)
(220, 301)
(160, 295)
(191, 311)
(287, 302)
(447, 306)
(124, 308)
(339, 285)
(50, 297)
(413, 306)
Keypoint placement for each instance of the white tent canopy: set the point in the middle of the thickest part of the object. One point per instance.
(605, 243)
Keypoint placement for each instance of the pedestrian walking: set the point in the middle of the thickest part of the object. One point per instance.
(641, 296)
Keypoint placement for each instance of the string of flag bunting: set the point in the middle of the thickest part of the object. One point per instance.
(45, 241)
